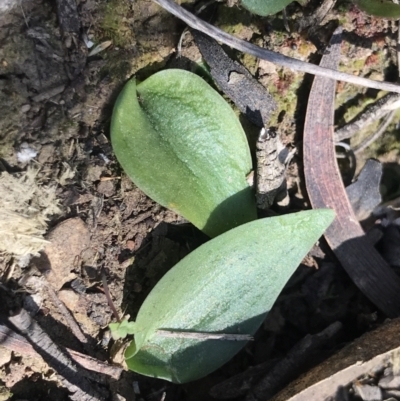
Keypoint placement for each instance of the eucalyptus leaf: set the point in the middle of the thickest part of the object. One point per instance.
(181, 143)
(227, 285)
(380, 8)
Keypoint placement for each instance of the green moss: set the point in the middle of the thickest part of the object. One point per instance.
(233, 20)
(114, 22)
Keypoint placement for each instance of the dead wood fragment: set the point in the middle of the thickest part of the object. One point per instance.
(76, 330)
(291, 365)
(378, 133)
(251, 98)
(364, 194)
(241, 383)
(68, 15)
(372, 112)
(49, 93)
(72, 378)
(369, 352)
(325, 188)
(272, 159)
(108, 296)
(76, 50)
(316, 17)
(265, 54)
(17, 343)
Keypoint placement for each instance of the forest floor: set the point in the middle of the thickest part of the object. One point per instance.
(56, 98)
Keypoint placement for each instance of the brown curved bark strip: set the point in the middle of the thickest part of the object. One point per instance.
(325, 188)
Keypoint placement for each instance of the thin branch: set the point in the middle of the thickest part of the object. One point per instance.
(380, 131)
(76, 330)
(16, 343)
(108, 296)
(372, 112)
(71, 378)
(269, 55)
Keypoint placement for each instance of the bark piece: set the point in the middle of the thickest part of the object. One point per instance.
(250, 97)
(372, 350)
(272, 157)
(15, 342)
(364, 194)
(55, 357)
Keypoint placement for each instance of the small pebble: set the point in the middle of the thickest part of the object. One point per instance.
(368, 392)
(107, 188)
(25, 108)
(78, 286)
(390, 382)
(130, 244)
(5, 356)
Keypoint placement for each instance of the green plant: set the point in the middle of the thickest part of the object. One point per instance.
(267, 7)
(181, 143)
(226, 286)
(379, 8)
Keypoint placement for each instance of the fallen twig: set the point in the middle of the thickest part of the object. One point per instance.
(364, 356)
(17, 343)
(269, 55)
(290, 366)
(325, 188)
(72, 379)
(316, 17)
(108, 296)
(371, 113)
(378, 133)
(76, 330)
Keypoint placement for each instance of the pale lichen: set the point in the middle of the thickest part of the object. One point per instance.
(26, 205)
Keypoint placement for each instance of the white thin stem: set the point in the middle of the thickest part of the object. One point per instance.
(204, 336)
(269, 55)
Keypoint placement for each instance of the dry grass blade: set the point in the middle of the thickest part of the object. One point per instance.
(265, 54)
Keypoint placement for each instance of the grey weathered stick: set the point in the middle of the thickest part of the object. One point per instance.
(55, 357)
(17, 343)
(235, 81)
(269, 55)
(378, 133)
(373, 276)
(76, 330)
(372, 112)
(291, 365)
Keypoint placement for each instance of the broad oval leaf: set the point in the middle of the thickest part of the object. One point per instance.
(183, 146)
(380, 8)
(227, 285)
(265, 7)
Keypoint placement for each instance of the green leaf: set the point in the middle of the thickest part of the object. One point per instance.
(380, 8)
(183, 146)
(122, 329)
(226, 286)
(265, 7)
